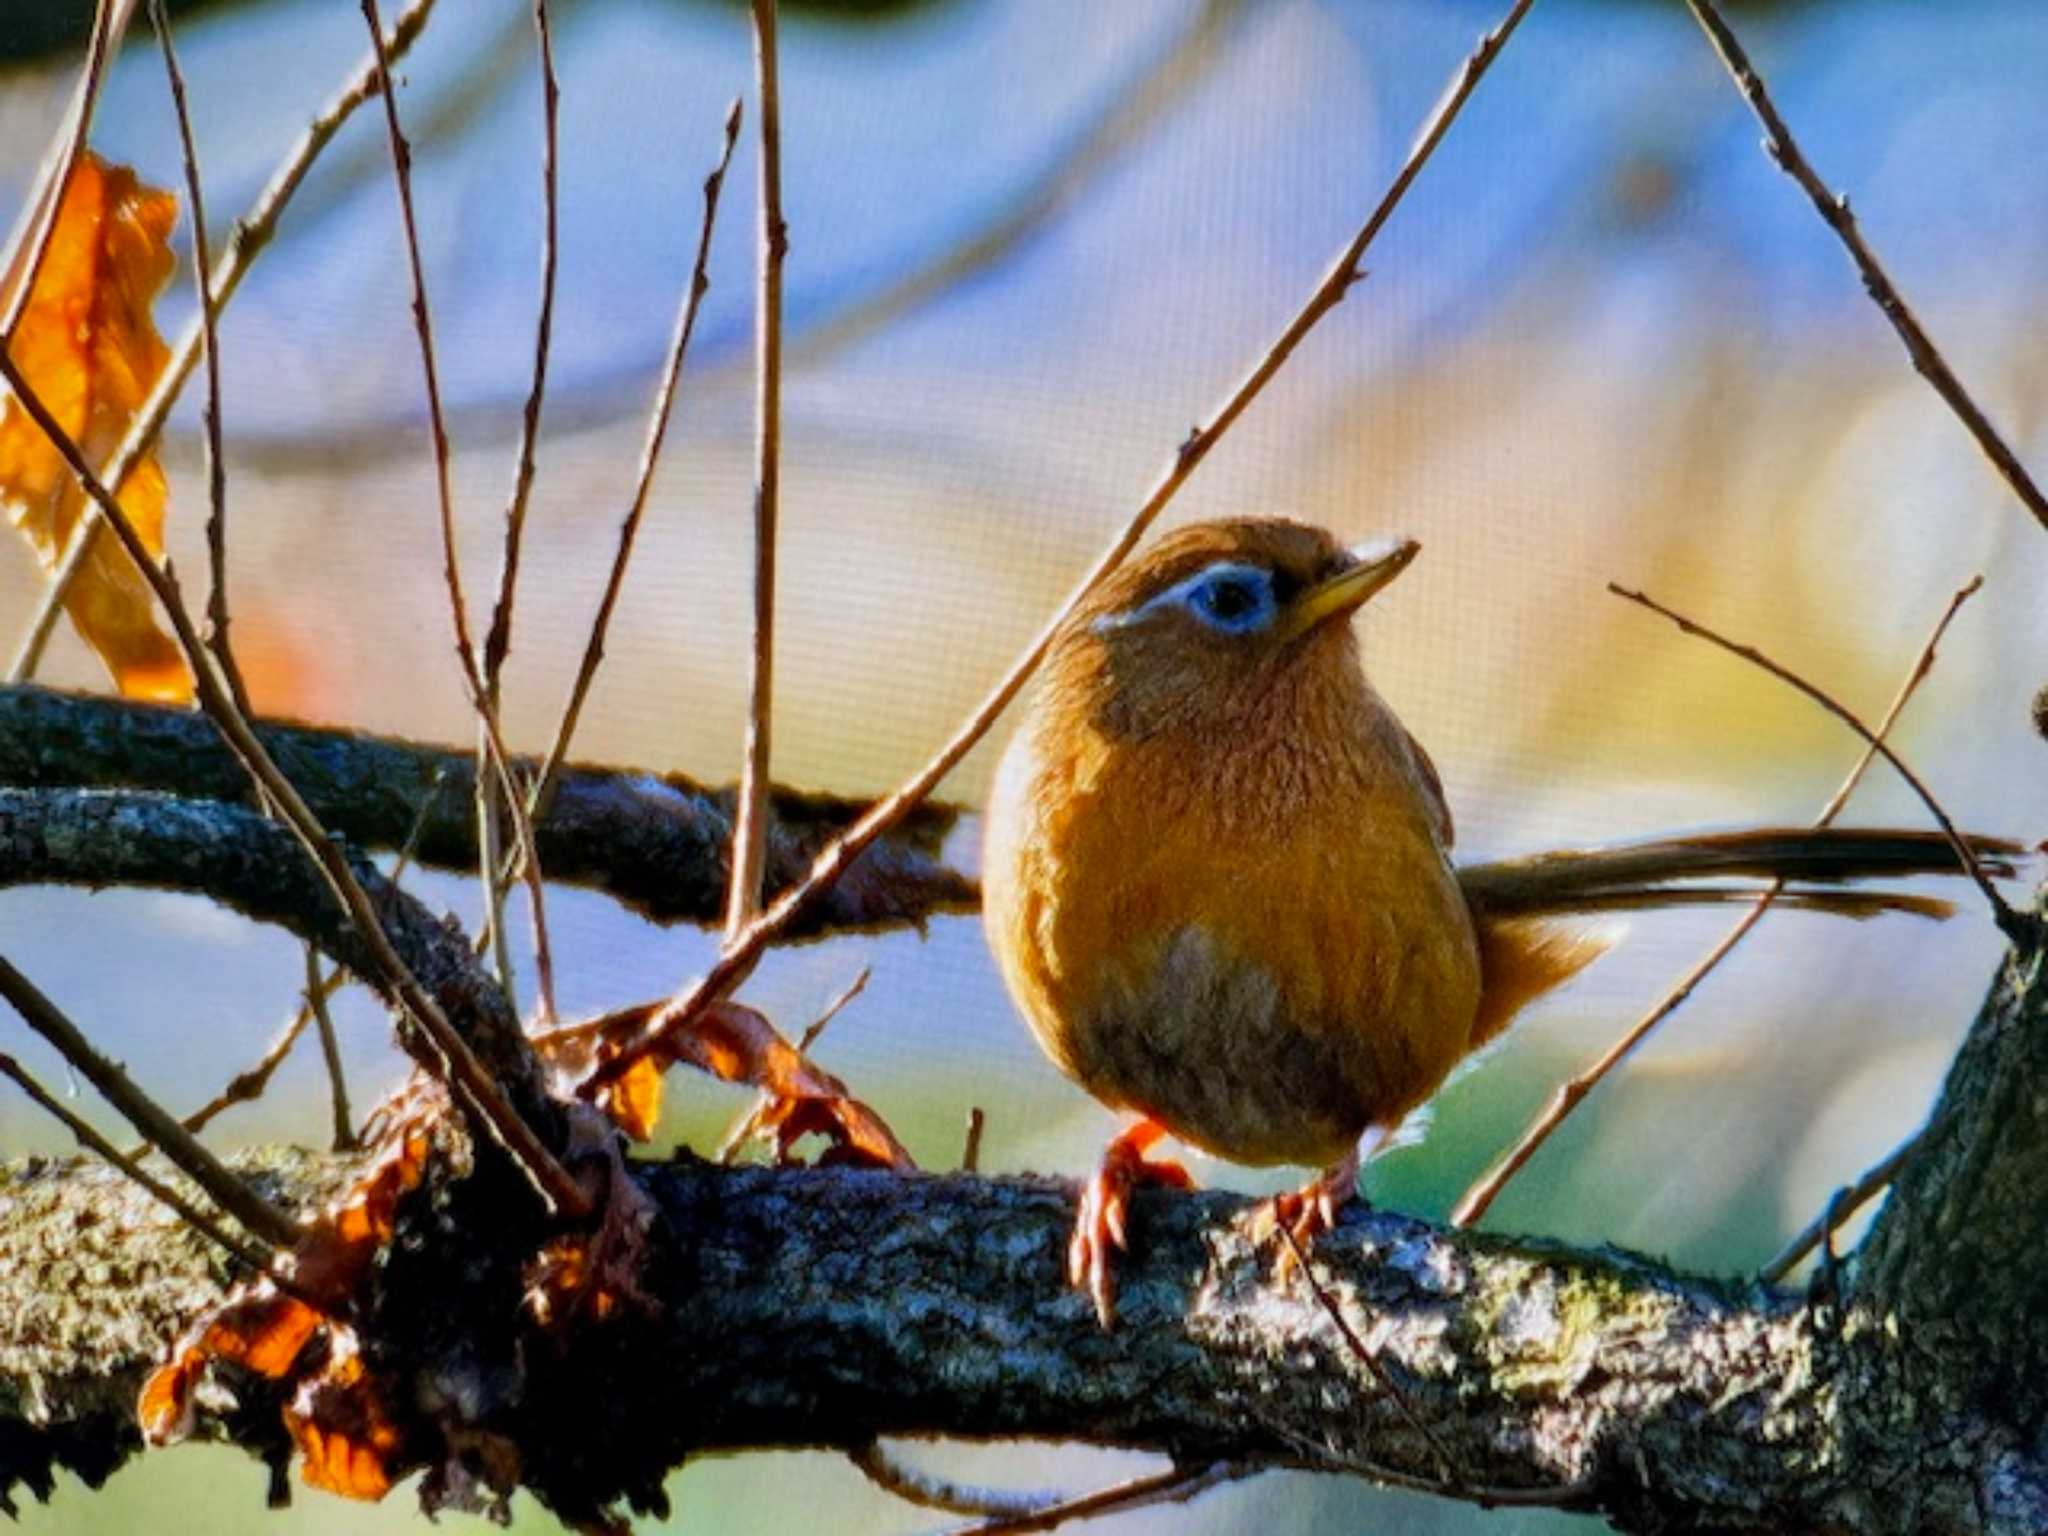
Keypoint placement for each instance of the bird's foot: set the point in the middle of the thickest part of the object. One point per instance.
(1102, 1224)
(1305, 1214)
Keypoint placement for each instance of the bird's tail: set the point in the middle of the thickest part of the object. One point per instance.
(1672, 871)
(1521, 956)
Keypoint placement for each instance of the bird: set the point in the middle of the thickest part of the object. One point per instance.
(1217, 877)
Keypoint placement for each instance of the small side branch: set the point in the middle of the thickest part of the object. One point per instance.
(156, 1124)
(1834, 212)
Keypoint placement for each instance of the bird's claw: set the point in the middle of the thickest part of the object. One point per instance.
(1305, 1214)
(1102, 1227)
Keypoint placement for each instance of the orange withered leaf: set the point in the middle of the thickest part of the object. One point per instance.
(342, 1428)
(737, 1044)
(88, 348)
(266, 1330)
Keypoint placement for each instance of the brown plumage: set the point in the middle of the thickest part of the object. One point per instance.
(1217, 875)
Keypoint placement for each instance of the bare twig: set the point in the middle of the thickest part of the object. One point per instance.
(743, 948)
(2009, 922)
(330, 1050)
(1176, 1485)
(29, 242)
(913, 1485)
(248, 1085)
(650, 455)
(93, 1141)
(1840, 1207)
(750, 828)
(498, 641)
(1369, 1358)
(216, 465)
(156, 1124)
(458, 1064)
(458, 606)
(246, 240)
(1834, 212)
(970, 1151)
(744, 1128)
(1573, 1091)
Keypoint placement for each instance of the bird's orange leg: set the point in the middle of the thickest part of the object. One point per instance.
(1105, 1210)
(1310, 1211)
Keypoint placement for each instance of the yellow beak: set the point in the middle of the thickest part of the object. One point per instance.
(1371, 567)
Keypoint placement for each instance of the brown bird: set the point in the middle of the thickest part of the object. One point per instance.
(1217, 875)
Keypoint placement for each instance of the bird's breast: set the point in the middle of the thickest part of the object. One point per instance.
(1265, 974)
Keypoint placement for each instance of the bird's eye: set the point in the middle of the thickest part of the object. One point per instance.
(1235, 599)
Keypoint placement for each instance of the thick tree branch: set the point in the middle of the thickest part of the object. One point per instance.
(657, 843)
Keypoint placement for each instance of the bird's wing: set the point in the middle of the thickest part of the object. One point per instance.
(1431, 783)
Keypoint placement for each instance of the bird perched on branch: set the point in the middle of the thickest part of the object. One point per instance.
(1218, 880)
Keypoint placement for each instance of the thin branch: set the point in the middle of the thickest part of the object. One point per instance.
(2009, 922)
(916, 1486)
(750, 829)
(29, 242)
(498, 641)
(1840, 1207)
(970, 1150)
(1368, 1357)
(246, 240)
(458, 606)
(1573, 1091)
(1834, 212)
(156, 1124)
(249, 1084)
(1176, 1485)
(216, 464)
(317, 992)
(650, 455)
(743, 948)
(94, 1142)
(457, 1063)
(748, 1123)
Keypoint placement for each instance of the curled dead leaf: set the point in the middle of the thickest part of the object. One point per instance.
(344, 1431)
(89, 349)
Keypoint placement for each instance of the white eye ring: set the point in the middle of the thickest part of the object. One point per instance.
(1229, 596)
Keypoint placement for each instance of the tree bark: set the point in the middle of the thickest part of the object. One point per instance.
(655, 842)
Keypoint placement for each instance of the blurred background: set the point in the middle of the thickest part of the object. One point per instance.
(1031, 242)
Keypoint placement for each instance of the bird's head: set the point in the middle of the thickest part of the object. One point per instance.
(1217, 623)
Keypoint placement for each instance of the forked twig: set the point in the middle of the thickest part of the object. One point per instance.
(750, 1122)
(499, 760)
(650, 455)
(1844, 1204)
(228, 1192)
(216, 464)
(93, 1141)
(744, 948)
(2009, 922)
(458, 1064)
(750, 823)
(29, 242)
(1834, 212)
(498, 639)
(250, 234)
(1571, 1093)
(914, 1485)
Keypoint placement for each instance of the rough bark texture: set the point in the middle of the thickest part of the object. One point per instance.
(655, 842)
